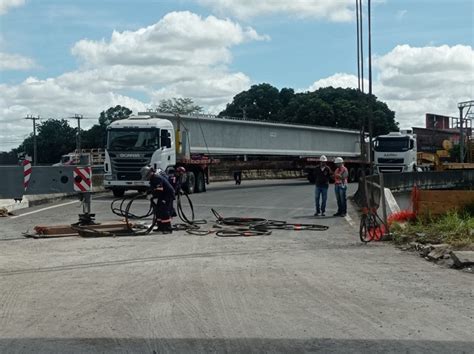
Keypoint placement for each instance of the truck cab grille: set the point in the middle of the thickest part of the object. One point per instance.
(128, 169)
(390, 160)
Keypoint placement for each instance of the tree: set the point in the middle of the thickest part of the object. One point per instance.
(260, 102)
(329, 106)
(179, 106)
(96, 136)
(113, 114)
(55, 138)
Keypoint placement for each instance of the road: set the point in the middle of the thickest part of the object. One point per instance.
(288, 292)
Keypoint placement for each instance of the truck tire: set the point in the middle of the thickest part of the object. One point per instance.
(118, 192)
(200, 182)
(190, 182)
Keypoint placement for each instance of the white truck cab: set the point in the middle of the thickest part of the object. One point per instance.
(133, 143)
(395, 152)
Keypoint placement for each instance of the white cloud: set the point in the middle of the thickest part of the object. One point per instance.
(414, 81)
(333, 10)
(182, 55)
(179, 38)
(5, 5)
(15, 62)
(337, 80)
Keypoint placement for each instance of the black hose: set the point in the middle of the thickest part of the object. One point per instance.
(181, 213)
(128, 215)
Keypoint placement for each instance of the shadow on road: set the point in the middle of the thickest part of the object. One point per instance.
(231, 345)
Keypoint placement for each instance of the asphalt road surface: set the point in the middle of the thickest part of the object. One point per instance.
(288, 292)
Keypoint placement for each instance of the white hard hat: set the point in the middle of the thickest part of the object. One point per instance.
(323, 158)
(338, 160)
(146, 171)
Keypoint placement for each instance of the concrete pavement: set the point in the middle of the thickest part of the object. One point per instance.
(288, 292)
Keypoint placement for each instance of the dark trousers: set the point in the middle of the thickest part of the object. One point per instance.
(164, 209)
(238, 177)
(321, 194)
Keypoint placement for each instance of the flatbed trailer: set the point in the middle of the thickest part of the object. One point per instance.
(201, 143)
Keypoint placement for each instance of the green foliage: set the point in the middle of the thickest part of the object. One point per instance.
(179, 106)
(455, 152)
(334, 107)
(8, 158)
(96, 136)
(54, 138)
(112, 114)
(454, 228)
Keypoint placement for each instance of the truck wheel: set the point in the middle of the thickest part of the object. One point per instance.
(200, 182)
(190, 182)
(118, 192)
(352, 174)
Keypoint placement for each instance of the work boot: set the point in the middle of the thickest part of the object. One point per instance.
(316, 213)
(159, 228)
(337, 214)
(167, 229)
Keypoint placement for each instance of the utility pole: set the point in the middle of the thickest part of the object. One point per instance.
(361, 21)
(461, 106)
(78, 117)
(35, 146)
(358, 44)
(369, 19)
(461, 134)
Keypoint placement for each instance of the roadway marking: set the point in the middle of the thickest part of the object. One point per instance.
(349, 220)
(43, 209)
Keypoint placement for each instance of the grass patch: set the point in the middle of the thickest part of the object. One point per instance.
(453, 228)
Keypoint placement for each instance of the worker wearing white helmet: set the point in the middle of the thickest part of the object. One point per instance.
(322, 176)
(340, 181)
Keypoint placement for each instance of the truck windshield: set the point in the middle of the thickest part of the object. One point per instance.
(392, 144)
(133, 139)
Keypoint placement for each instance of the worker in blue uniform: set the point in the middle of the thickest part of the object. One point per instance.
(163, 192)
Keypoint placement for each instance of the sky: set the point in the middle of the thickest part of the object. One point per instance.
(59, 58)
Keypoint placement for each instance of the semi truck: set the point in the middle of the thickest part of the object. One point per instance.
(205, 143)
(395, 152)
(427, 150)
